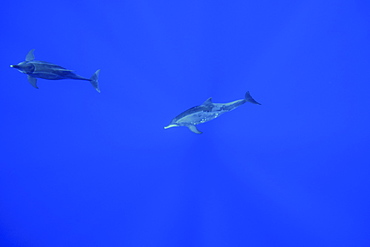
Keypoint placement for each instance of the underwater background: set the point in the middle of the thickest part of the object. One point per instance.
(79, 168)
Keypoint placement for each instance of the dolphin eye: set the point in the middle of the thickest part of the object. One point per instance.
(29, 68)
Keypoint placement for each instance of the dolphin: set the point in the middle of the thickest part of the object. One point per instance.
(206, 112)
(39, 69)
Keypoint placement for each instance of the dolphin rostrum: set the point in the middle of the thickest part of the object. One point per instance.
(206, 112)
(39, 69)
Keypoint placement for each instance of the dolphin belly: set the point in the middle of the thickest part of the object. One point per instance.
(48, 75)
(197, 118)
(57, 74)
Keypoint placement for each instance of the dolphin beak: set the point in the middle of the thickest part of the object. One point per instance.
(14, 66)
(170, 126)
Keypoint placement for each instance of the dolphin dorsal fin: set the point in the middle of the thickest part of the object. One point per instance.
(30, 55)
(208, 101)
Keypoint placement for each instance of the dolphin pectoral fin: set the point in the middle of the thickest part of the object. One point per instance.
(30, 55)
(249, 98)
(94, 80)
(170, 126)
(33, 81)
(194, 129)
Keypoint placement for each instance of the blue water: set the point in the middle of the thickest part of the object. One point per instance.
(79, 168)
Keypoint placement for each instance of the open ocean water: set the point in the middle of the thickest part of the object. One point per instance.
(82, 168)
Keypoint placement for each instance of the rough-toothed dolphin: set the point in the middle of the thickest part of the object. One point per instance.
(39, 69)
(206, 112)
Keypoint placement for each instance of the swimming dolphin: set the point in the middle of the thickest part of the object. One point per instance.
(39, 69)
(206, 112)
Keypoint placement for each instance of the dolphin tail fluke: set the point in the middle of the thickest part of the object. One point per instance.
(94, 80)
(249, 98)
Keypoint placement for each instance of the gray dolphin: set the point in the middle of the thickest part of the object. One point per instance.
(39, 69)
(206, 112)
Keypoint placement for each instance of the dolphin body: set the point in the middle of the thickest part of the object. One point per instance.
(206, 112)
(39, 69)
